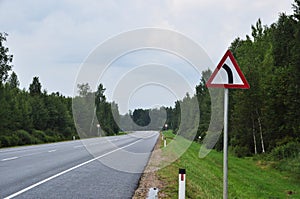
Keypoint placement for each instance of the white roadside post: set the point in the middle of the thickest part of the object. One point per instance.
(166, 126)
(234, 79)
(162, 135)
(98, 128)
(181, 184)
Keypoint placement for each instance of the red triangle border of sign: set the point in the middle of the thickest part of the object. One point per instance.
(245, 84)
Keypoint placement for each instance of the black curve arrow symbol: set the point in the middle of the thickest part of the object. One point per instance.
(229, 73)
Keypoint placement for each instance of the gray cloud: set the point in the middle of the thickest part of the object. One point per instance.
(50, 39)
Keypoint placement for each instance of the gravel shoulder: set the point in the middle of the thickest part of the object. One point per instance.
(149, 178)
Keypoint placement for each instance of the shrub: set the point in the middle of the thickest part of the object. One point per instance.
(40, 135)
(13, 140)
(287, 157)
(289, 150)
(5, 141)
(50, 132)
(240, 151)
(25, 138)
(67, 132)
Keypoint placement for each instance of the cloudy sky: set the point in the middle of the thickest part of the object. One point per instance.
(51, 38)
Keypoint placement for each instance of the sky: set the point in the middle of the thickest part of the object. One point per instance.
(52, 38)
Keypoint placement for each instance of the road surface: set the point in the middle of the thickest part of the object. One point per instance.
(108, 167)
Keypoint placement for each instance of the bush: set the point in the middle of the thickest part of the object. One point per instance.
(289, 150)
(67, 132)
(291, 165)
(25, 138)
(5, 141)
(52, 136)
(287, 157)
(50, 133)
(40, 135)
(240, 151)
(13, 140)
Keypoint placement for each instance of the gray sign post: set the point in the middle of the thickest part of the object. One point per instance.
(233, 79)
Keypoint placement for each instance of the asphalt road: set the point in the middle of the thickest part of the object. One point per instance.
(108, 167)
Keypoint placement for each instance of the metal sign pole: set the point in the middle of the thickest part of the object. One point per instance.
(234, 79)
(225, 147)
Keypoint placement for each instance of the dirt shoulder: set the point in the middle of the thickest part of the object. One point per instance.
(150, 178)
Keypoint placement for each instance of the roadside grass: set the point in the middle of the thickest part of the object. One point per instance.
(122, 133)
(247, 178)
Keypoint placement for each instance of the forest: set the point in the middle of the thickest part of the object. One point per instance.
(263, 119)
(33, 116)
(267, 115)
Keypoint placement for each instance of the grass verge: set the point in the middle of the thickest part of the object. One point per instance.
(247, 178)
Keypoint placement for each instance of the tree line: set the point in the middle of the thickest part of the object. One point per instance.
(33, 116)
(143, 119)
(30, 116)
(93, 114)
(268, 114)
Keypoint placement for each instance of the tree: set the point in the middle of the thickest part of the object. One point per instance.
(25, 115)
(4, 110)
(296, 7)
(39, 114)
(35, 88)
(84, 111)
(141, 117)
(13, 80)
(59, 117)
(106, 112)
(269, 111)
(83, 89)
(26, 110)
(204, 102)
(99, 95)
(250, 54)
(5, 59)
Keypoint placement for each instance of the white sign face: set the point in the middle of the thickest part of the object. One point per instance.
(228, 74)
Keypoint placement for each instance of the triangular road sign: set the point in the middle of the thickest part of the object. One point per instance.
(227, 74)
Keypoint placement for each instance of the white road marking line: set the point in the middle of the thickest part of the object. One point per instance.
(6, 159)
(92, 144)
(66, 171)
(78, 146)
(30, 154)
(52, 151)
